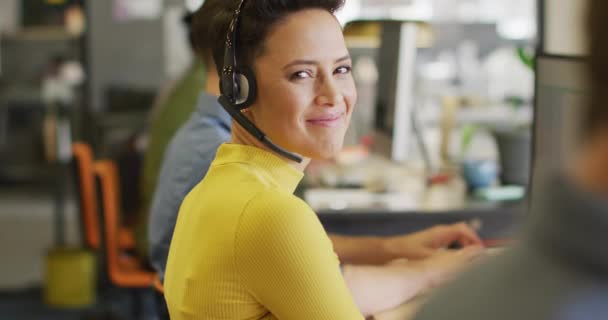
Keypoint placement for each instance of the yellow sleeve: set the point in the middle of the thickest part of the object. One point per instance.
(286, 260)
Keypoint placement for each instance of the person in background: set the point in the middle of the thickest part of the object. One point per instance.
(559, 268)
(175, 104)
(244, 247)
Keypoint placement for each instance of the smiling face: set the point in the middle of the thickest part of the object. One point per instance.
(306, 92)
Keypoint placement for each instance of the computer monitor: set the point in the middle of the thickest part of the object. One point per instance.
(396, 65)
(384, 56)
(562, 91)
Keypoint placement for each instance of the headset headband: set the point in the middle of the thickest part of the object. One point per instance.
(232, 89)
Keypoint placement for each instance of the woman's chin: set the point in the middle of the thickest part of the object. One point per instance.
(325, 153)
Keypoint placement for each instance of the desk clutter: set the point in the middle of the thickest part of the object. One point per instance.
(373, 182)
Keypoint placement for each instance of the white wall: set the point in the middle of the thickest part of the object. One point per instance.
(9, 13)
(130, 53)
(564, 27)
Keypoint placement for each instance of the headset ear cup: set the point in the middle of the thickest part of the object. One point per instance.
(247, 88)
(241, 88)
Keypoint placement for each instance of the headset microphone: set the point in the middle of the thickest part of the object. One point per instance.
(238, 90)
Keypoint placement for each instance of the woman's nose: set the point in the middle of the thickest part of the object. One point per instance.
(329, 93)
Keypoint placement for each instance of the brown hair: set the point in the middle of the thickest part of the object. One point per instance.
(256, 20)
(597, 30)
(202, 30)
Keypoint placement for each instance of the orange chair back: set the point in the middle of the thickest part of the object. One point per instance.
(132, 277)
(83, 155)
(158, 286)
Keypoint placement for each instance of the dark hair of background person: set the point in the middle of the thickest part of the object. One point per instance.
(255, 22)
(597, 30)
(201, 28)
(187, 20)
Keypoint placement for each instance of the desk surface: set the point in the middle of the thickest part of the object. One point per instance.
(495, 223)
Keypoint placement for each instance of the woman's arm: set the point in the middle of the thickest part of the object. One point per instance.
(361, 250)
(418, 245)
(378, 288)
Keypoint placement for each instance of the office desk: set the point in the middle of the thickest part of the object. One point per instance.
(496, 222)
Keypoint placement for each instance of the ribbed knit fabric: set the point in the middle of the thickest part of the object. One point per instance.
(246, 248)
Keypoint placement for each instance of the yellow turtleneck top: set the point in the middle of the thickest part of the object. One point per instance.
(245, 247)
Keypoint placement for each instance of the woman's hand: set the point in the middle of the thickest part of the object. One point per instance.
(445, 264)
(426, 243)
(379, 288)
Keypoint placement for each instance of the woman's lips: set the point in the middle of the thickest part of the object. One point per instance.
(329, 121)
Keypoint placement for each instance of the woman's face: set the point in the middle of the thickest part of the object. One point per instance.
(306, 91)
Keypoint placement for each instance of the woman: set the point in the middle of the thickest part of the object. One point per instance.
(244, 247)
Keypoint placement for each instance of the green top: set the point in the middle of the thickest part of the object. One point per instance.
(173, 110)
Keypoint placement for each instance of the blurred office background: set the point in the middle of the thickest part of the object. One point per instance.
(441, 133)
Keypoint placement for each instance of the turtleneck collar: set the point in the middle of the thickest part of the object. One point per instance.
(276, 170)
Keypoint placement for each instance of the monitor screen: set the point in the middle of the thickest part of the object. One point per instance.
(561, 96)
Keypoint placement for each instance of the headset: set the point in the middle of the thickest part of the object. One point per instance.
(238, 89)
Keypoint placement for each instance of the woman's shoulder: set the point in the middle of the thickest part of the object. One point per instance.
(270, 201)
(277, 218)
(271, 208)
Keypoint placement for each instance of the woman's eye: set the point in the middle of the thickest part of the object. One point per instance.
(300, 75)
(343, 70)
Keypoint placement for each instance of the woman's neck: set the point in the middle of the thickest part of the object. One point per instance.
(241, 136)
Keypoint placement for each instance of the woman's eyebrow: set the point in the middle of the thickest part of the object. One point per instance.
(346, 57)
(312, 62)
(298, 62)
